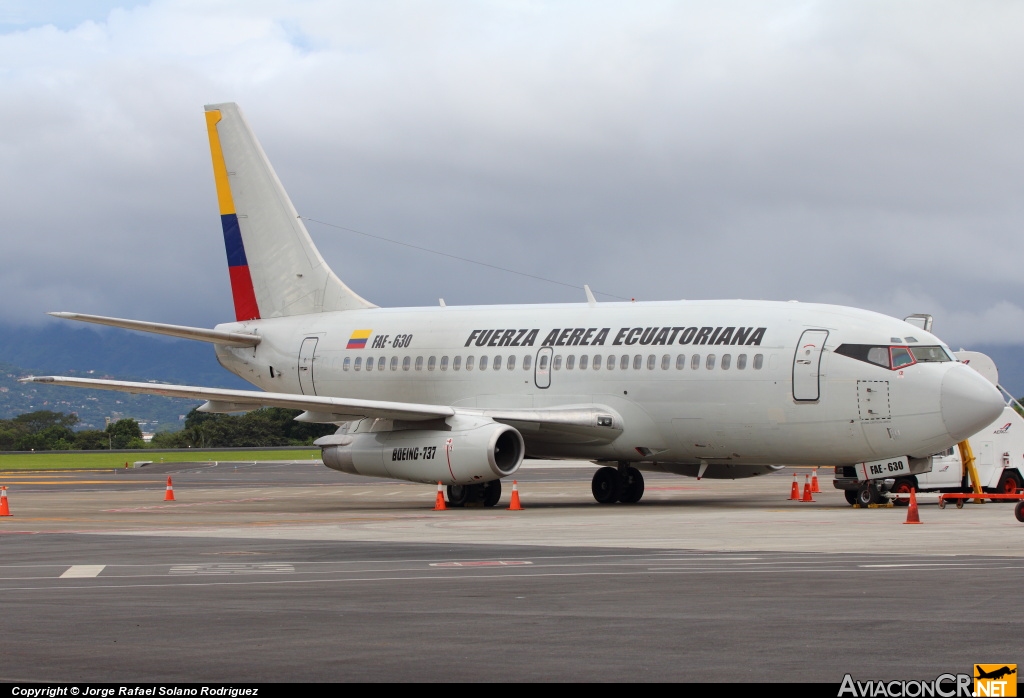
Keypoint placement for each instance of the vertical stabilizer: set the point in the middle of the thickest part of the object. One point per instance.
(275, 269)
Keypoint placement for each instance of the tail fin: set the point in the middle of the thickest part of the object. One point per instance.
(275, 269)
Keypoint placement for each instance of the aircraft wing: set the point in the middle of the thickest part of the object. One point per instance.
(561, 424)
(226, 400)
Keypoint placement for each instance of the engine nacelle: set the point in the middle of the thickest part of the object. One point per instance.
(473, 451)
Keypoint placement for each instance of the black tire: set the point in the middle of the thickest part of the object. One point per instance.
(632, 487)
(606, 485)
(1009, 483)
(1018, 511)
(851, 496)
(902, 486)
(458, 495)
(492, 493)
(868, 495)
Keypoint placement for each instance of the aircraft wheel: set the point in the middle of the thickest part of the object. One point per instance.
(851, 496)
(1018, 511)
(902, 486)
(492, 493)
(632, 487)
(458, 495)
(606, 485)
(868, 494)
(1009, 483)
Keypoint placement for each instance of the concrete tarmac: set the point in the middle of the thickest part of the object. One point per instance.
(291, 571)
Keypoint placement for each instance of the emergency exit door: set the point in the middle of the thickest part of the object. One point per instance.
(807, 365)
(307, 352)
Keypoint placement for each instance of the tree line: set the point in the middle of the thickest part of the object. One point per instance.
(54, 431)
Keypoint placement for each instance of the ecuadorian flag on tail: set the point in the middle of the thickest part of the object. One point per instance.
(358, 339)
(242, 290)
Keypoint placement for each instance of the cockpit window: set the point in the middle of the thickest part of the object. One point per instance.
(865, 352)
(893, 357)
(901, 357)
(931, 354)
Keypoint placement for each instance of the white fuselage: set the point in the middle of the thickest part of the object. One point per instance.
(752, 389)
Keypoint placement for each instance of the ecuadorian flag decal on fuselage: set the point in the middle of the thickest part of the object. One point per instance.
(358, 339)
(238, 266)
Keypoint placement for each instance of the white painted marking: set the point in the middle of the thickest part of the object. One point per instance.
(81, 571)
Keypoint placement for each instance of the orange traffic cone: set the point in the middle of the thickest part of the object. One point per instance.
(169, 494)
(5, 509)
(514, 505)
(814, 481)
(912, 516)
(794, 491)
(807, 490)
(439, 502)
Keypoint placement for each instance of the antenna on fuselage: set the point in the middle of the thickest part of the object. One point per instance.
(591, 301)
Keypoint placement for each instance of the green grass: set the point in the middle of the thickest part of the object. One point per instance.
(105, 460)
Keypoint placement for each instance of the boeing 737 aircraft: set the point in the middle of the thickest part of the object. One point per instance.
(460, 395)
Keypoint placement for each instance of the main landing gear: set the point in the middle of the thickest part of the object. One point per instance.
(622, 484)
(486, 494)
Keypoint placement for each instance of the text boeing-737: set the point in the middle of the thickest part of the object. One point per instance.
(460, 395)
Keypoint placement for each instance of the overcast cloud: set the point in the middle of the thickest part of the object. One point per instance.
(864, 153)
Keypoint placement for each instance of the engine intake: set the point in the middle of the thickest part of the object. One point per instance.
(474, 450)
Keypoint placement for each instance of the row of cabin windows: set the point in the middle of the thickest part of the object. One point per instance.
(570, 362)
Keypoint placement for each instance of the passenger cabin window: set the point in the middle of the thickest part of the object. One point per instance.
(597, 362)
(419, 363)
(380, 363)
(611, 361)
(394, 363)
(710, 363)
(556, 363)
(346, 363)
(758, 361)
(369, 363)
(726, 361)
(624, 362)
(358, 364)
(483, 363)
(497, 363)
(666, 361)
(637, 362)
(444, 363)
(681, 362)
(695, 362)
(527, 362)
(741, 362)
(456, 363)
(469, 362)
(406, 362)
(511, 361)
(431, 362)
(570, 362)
(583, 361)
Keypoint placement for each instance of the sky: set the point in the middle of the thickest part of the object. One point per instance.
(854, 152)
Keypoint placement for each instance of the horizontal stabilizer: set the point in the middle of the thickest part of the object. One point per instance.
(228, 339)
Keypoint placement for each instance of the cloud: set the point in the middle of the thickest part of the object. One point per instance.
(854, 152)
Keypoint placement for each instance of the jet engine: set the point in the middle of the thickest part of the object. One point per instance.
(463, 451)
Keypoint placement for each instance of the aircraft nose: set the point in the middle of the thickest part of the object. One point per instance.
(969, 402)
